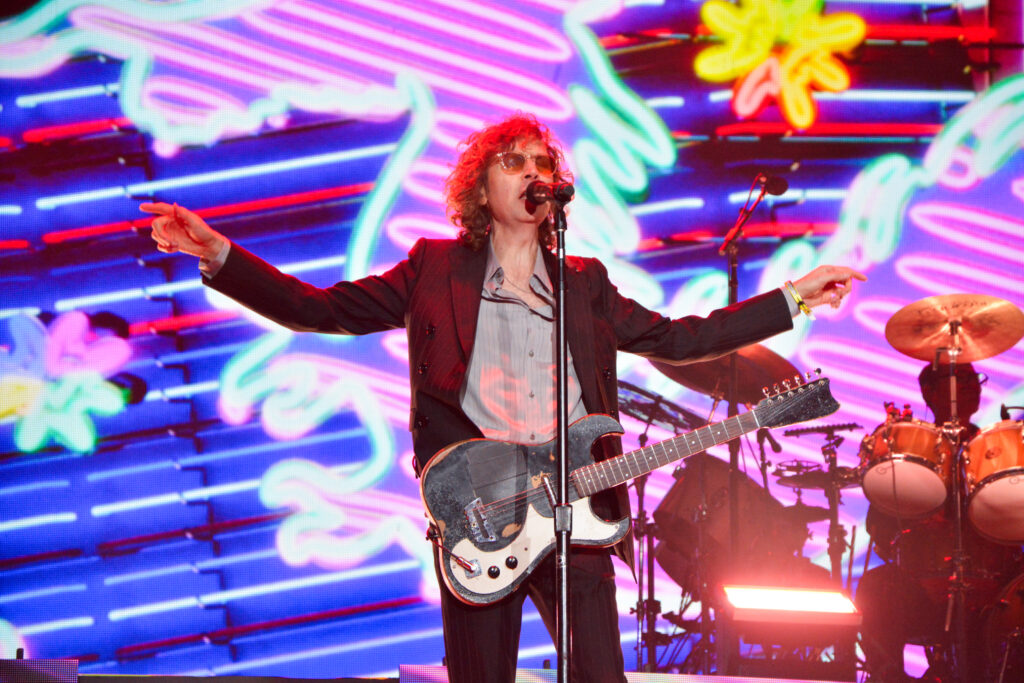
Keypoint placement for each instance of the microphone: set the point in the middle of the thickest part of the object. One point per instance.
(770, 184)
(538, 192)
(764, 433)
(773, 184)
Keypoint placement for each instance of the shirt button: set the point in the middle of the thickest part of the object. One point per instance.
(533, 437)
(531, 354)
(531, 394)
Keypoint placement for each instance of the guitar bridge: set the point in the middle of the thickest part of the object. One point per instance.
(479, 526)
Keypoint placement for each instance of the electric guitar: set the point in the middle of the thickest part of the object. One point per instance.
(490, 500)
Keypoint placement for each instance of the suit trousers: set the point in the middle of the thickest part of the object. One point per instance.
(482, 641)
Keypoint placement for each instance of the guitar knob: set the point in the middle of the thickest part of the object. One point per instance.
(493, 572)
(511, 562)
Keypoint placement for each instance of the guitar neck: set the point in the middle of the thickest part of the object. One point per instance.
(603, 475)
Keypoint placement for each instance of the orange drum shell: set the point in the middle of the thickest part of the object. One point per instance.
(917, 448)
(995, 449)
(912, 438)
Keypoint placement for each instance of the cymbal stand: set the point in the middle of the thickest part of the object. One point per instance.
(836, 531)
(952, 431)
(647, 610)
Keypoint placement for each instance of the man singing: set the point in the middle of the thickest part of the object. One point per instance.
(478, 312)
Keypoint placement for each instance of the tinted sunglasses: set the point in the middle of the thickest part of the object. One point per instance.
(513, 162)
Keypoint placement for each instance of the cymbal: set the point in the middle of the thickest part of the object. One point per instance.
(647, 406)
(805, 514)
(757, 366)
(988, 326)
(819, 479)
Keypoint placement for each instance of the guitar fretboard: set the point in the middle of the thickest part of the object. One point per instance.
(603, 475)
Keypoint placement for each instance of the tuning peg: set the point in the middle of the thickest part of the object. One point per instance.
(797, 380)
(785, 384)
(775, 389)
(767, 394)
(809, 376)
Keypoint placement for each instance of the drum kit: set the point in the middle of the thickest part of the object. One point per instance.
(908, 468)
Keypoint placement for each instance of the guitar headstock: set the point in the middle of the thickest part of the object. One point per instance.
(797, 400)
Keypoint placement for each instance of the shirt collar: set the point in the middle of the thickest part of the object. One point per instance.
(495, 275)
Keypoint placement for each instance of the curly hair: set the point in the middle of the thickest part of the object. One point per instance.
(463, 186)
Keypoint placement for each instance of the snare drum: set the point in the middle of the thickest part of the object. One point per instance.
(905, 468)
(995, 482)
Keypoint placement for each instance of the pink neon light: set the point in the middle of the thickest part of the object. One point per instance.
(396, 343)
(406, 229)
(206, 100)
(962, 159)
(417, 49)
(542, 44)
(180, 322)
(460, 121)
(873, 314)
(552, 104)
(943, 275)
(973, 229)
(428, 189)
(72, 347)
(295, 199)
(758, 88)
(273, 64)
(1017, 187)
(71, 130)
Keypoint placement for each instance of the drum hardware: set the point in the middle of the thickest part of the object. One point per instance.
(651, 409)
(823, 429)
(905, 466)
(757, 367)
(831, 480)
(994, 473)
(960, 328)
(986, 326)
(844, 478)
(747, 371)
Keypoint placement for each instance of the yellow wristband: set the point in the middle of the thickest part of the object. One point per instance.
(800, 303)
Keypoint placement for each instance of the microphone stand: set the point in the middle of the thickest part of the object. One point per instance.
(562, 509)
(729, 647)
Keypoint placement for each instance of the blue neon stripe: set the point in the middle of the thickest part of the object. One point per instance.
(207, 458)
(29, 101)
(35, 486)
(45, 203)
(224, 597)
(42, 593)
(38, 520)
(58, 625)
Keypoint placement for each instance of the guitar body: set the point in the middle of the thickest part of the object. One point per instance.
(488, 500)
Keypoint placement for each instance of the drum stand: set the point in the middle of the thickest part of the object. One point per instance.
(956, 603)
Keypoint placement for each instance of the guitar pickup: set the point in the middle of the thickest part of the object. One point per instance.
(479, 526)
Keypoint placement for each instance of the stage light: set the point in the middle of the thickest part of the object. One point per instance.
(791, 605)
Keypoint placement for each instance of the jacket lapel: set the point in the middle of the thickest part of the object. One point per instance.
(467, 281)
(579, 329)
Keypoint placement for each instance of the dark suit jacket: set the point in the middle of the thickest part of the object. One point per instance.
(435, 295)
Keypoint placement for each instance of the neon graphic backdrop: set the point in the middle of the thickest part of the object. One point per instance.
(254, 511)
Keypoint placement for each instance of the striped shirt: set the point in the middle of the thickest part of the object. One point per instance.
(509, 392)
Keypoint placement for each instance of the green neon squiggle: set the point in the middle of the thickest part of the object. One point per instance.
(369, 222)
